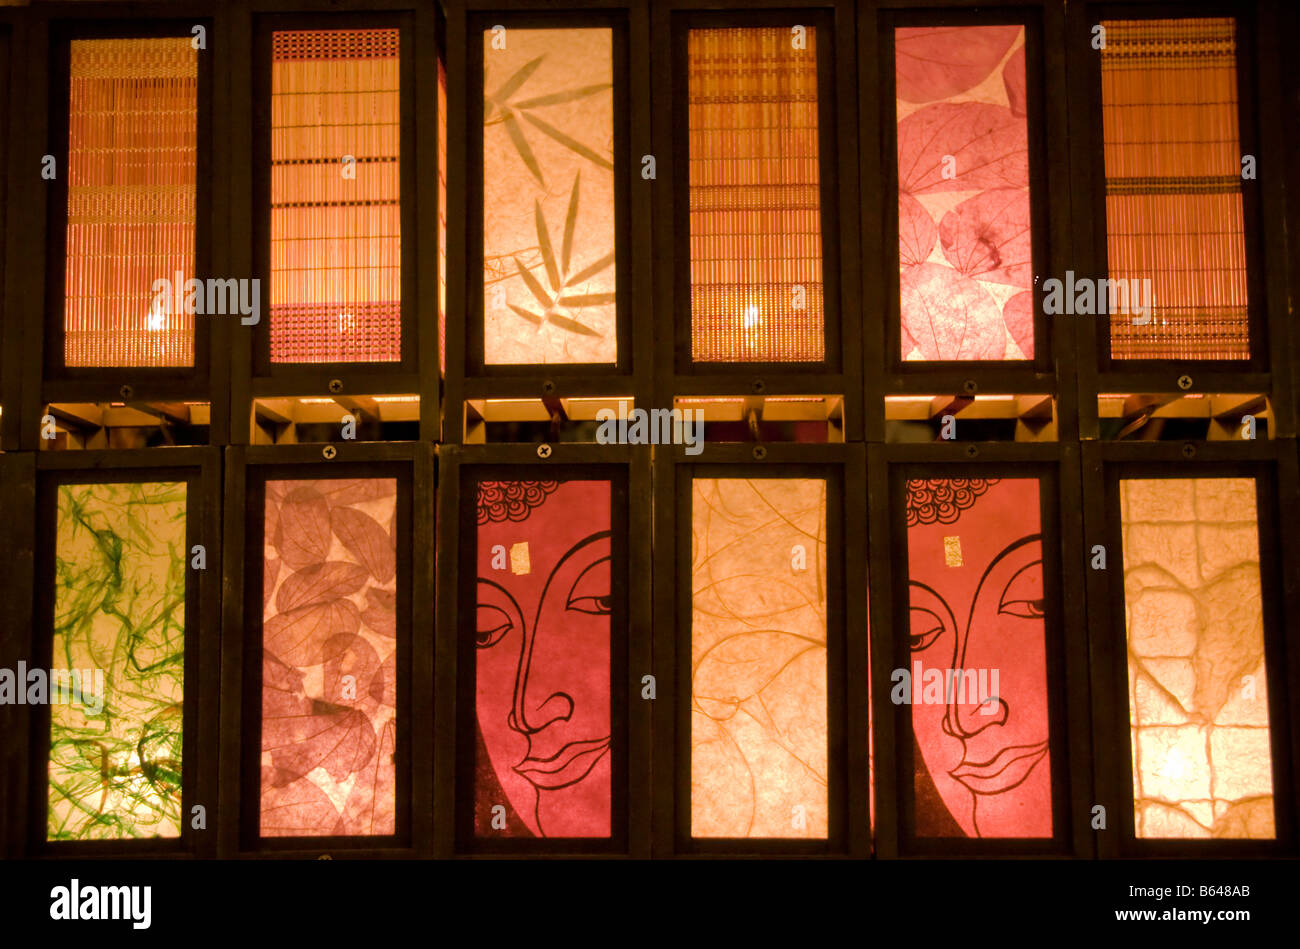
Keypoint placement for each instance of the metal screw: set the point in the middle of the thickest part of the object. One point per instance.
(972, 451)
(970, 387)
(1189, 450)
(126, 392)
(329, 452)
(336, 386)
(548, 387)
(758, 385)
(760, 452)
(1184, 382)
(543, 450)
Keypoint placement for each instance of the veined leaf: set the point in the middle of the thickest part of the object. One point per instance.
(525, 150)
(573, 326)
(555, 98)
(571, 143)
(586, 299)
(544, 244)
(591, 271)
(570, 222)
(534, 286)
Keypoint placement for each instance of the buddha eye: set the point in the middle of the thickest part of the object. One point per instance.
(590, 592)
(925, 629)
(1023, 594)
(491, 624)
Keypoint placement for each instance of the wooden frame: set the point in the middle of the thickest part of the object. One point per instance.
(1274, 468)
(198, 468)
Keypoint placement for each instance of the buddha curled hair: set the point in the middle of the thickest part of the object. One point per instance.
(941, 500)
(511, 500)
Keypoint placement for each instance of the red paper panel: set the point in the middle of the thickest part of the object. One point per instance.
(1173, 186)
(132, 159)
(336, 229)
(983, 760)
(543, 659)
(329, 659)
(964, 236)
(755, 196)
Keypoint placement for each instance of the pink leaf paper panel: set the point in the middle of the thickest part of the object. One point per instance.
(1174, 178)
(977, 684)
(759, 741)
(542, 659)
(548, 197)
(336, 227)
(964, 222)
(755, 196)
(329, 660)
(1198, 696)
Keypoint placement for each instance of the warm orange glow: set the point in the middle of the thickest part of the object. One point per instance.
(755, 198)
(132, 152)
(759, 742)
(1173, 186)
(548, 197)
(1198, 695)
(336, 225)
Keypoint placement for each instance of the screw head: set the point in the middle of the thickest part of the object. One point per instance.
(126, 392)
(1189, 450)
(758, 385)
(1184, 382)
(760, 452)
(336, 386)
(329, 452)
(970, 387)
(972, 451)
(543, 450)
(548, 387)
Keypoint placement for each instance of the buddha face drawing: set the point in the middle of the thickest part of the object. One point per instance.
(975, 556)
(542, 651)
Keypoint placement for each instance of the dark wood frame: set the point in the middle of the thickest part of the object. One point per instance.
(1273, 465)
(848, 832)
(1259, 96)
(247, 470)
(461, 468)
(199, 469)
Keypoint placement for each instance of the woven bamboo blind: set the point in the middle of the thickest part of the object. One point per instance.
(1173, 186)
(755, 200)
(335, 227)
(132, 151)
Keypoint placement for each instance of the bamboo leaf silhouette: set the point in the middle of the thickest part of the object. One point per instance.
(568, 142)
(521, 145)
(530, 317)
(556, 98)
(573, 326)
(512, 85)
(588, 299)
(570, 222)
(591, 271)
(544, 244)
(534, 286)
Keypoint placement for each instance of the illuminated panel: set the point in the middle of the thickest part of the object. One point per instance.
(336, 225)
(1198, 696)
(329, 658)
(1173, 187)
(116, 688)
(442, 216)
(977, 684)
(132, 166)
(759, 741)
(964, 226)
(548, 197)
(542, 662)
(755, 197)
